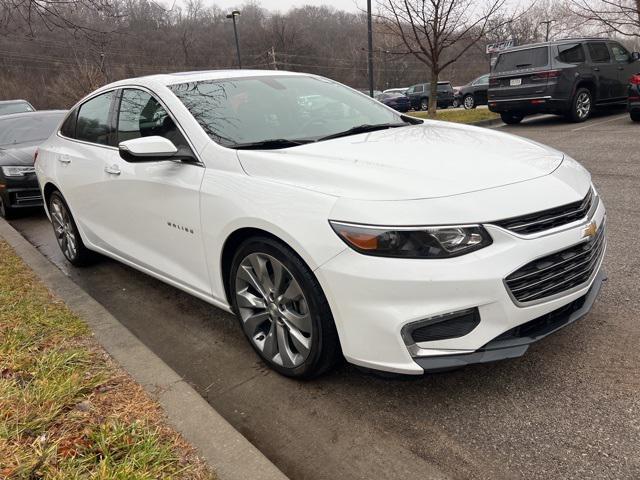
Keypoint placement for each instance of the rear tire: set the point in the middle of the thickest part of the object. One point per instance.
(635, 115)
(66, 232)
(581, 106)
(282, 309)
(424, 104)
(511, 118)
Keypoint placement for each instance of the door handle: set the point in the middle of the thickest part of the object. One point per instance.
(113, 170)
(596, 69)
(64, 159)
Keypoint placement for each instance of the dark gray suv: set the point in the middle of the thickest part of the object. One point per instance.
(566, 77)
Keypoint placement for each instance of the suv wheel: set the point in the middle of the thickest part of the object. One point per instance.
(581, 106)
(66, 232)
(511, 118)
(469, 102)
(6, 211)
(424, 104)
(282, 309)
(635, 115)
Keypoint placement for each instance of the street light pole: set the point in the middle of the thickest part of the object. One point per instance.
(233, 16)
(370, 52)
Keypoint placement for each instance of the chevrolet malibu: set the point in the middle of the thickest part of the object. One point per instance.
(333, 228)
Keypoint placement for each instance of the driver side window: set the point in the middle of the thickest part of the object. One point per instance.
(141, 115)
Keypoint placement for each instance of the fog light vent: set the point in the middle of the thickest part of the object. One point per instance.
(443, 327)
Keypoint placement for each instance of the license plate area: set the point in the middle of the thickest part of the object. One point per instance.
(515, 82)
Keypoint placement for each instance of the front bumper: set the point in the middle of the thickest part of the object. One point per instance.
(21, 192)
(373, 298)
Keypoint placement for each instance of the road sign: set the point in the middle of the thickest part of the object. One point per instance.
(499, 46)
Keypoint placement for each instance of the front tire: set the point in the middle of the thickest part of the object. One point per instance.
(6, 211)
(635, 115)
(581, 106)
(66, 232)
(511, 118)
(469, 102)
(282, 309)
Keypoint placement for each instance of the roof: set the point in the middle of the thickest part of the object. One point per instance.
(37, 113)
(554, 42)
(198, 76)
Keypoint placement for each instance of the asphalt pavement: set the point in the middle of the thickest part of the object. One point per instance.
(569, 409)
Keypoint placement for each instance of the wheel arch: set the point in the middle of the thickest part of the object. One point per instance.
(47, 190)
(589, 85)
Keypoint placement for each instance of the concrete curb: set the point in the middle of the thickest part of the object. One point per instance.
(229, 454)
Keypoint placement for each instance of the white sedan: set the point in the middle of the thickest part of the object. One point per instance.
(331, 225)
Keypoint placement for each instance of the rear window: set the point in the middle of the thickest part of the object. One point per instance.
(571, 53)
(15, 107)
(522, 59)
(444, 87)
(27, 130)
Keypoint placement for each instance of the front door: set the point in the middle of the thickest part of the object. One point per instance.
(626, 68)
(605, 71)
(153, 215)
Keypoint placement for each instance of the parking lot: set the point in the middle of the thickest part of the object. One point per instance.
(568, 409)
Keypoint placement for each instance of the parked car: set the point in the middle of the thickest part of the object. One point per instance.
(395, 100)
(419, 95)
(402, 90)
(474, 93)
(634, 98)
(20, 134)
(8, 107)
(404, 245)
(566, 77)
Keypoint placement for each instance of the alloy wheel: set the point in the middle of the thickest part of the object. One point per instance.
(64, 229)
(583, 105)
(468, 102)
(274, 310)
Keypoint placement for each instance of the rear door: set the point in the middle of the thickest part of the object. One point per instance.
(605, 71)
(516, 74)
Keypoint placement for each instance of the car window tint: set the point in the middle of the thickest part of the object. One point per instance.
(93, 123)
(484, 80)
(68, 128)
(14, 107)
(571, 53)
(28, 130)
(599, 52)
(141, 115)
(620, 53)
(522, 59)
(418, 88)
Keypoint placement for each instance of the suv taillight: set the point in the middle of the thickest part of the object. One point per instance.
(546, 75)
(494, 82)
(635, 80)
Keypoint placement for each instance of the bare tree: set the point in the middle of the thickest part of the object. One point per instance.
(439, 32)
(612, 16)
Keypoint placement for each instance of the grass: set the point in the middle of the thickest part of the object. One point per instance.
(66, 410)
(460, 115)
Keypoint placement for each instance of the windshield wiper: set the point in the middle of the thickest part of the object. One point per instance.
(270, 144)
(363, 129)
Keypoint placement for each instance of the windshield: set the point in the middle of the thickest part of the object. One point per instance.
(27, 129)
(15, 107)
(296, 108)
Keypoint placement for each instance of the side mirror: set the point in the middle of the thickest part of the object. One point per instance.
(147, 149)
(635, 56)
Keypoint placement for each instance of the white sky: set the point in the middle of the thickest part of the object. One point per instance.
(284, 5)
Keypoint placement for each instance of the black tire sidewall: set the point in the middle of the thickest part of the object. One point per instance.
(322, 351)
(83, 255)
(8, 211)
(573, 114)
(424, 104)
(511, 118)
(635, 115)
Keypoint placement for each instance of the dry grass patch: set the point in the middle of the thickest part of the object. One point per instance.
(66, 410)
(460, 115)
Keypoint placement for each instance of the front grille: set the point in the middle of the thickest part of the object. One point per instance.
(27, 198)
(558, 272)
(550, 218)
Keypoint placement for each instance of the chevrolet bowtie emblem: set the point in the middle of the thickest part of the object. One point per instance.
(590, 231)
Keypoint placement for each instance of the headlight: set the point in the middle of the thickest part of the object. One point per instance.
(413, 242)
(17, 171)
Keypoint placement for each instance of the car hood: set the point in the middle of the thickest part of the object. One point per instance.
(431, 160)
(20, 156)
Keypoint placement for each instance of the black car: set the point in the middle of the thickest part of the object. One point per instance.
(473, 93)
(8, 107)
(395, 100)
(20, 135)
(634, 98)
(419, 95)
(565, 77)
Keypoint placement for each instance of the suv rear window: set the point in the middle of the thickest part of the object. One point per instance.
(521, 59)
(444, 87)
(571, 53)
